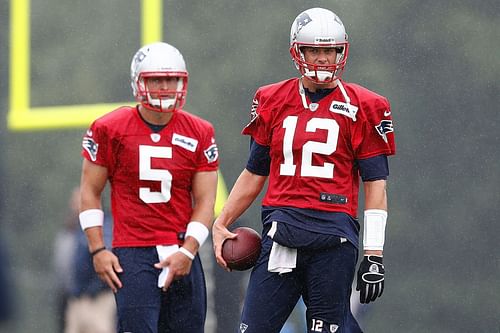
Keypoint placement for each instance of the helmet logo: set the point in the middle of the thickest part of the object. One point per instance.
(301, 21)
(139, 56)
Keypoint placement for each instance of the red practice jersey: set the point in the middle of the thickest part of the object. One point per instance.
(150, 173)
(314, 146)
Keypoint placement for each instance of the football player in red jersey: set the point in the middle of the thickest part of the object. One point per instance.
(312, 138)
(161, 163)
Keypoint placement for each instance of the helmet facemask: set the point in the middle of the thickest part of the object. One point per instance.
(320, 73)
(162, 99)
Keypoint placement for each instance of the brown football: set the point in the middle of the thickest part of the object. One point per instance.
(242, 252)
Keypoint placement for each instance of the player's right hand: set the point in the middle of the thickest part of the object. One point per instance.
(219, 234)
(107, 266)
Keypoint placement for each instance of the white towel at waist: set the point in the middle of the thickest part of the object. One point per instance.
(282, 259)
(163, 253)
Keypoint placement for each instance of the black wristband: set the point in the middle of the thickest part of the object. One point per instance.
(93, 253)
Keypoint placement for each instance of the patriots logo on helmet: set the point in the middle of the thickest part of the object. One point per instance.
(301, 21)
(384, 127)
(139, 56)
(91, 147)
(211, 153)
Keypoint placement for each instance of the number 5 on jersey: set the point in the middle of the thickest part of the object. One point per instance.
(146, 153)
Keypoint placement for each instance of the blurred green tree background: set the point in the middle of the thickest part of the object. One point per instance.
(436, 61)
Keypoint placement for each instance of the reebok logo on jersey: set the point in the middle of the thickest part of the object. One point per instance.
(384, 127)
(91, 147)
(345, 109)
(212, 153)
(184, 142)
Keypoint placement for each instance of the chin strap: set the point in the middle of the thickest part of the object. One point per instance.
(302, 93)
(344, 93)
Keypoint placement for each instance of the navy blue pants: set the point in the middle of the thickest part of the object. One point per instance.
(323, 278)
(142, 307)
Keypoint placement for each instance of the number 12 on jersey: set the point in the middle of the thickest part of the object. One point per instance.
(309, 148)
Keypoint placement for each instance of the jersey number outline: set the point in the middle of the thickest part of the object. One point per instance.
(287, 168)
(146, 153)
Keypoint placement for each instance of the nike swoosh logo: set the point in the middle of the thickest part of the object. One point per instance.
(387, 113)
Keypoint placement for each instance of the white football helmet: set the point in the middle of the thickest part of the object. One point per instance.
(159, 60)
(318, 27)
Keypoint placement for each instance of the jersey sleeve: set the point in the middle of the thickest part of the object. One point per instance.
(259, 126)
(96, 145)
(208, 155)
(374, 134)
(259, 160)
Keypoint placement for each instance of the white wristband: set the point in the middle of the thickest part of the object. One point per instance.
(374, 229)
(197, 230)
(186, 252)
(91, 218)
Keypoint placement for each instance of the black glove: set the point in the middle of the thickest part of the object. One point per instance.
(370, 278)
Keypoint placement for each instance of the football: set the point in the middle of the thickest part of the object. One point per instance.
(242, 252)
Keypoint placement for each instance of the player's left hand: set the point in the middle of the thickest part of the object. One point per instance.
(179, 265)
(370, 278)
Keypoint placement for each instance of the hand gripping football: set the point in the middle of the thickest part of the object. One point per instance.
(242, 252)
